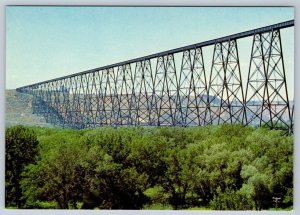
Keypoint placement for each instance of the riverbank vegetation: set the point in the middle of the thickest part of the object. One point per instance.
(226, 167)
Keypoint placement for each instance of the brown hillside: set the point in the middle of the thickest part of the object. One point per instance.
(18, 110)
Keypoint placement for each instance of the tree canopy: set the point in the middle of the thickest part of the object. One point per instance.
(226, 167)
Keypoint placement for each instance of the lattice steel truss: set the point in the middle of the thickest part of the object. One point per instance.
(172, 88)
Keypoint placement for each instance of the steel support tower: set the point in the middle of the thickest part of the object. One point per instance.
(173, 88)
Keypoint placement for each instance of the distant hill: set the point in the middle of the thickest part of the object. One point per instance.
(18, 110)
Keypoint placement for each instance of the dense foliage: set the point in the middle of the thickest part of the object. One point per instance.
(21, 149)
(227, 167)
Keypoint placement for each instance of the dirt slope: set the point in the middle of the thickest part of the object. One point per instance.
(18, 110)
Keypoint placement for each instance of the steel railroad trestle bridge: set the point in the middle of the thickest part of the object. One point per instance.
(173, 88)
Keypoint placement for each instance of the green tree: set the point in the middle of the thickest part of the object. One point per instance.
(57, 175)
(231, 200)
(110, 182)
(270, 171)
(21, 149)
(181, 174)
(222, 167)
(147, 155)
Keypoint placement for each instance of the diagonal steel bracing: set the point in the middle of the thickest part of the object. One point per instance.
(227, 103)
(174, 88)
(267, 100)
(192, 90)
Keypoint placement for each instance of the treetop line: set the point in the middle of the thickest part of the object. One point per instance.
(173, 88)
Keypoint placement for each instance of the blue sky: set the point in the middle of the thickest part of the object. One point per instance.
(48, 42)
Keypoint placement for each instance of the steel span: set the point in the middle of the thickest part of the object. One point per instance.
(174, 88)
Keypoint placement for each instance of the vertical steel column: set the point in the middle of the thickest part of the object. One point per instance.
(166, 88)
(99, 98)
(185, 80)
(118, 95)
(159, 87)
(106, 98)
(133, 100)
(233, 90)
(127, 88)
(256, 82)
(147, 89)
(266, 96)
(138, 97)
(151, 98)
(86, 100)
(193, 88)
(113, 99)
(73, 117)
(277, 85)
(218, 108)
(93, 97)
(199, 86)
(123, 89)
(143, 89)
(226, 97)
